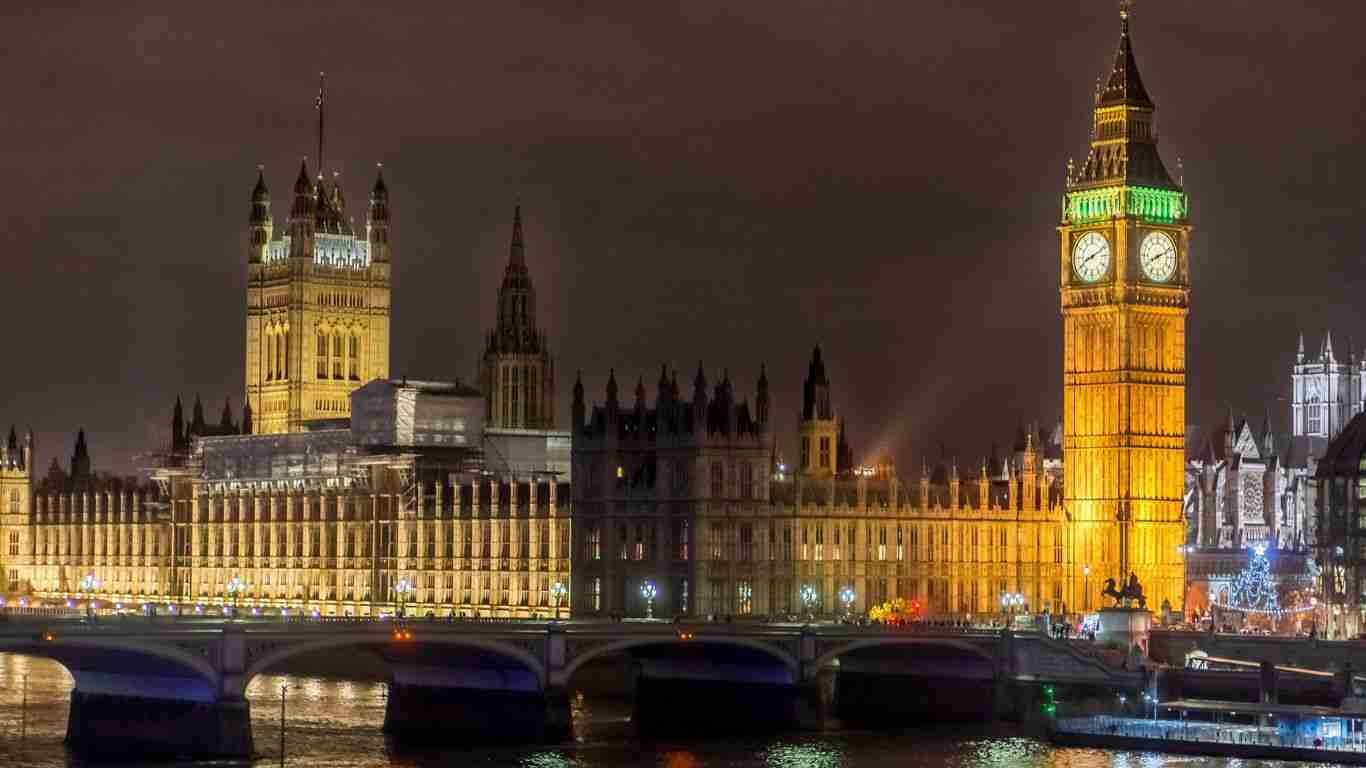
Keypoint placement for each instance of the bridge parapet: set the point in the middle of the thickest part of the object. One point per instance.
(1310, 653)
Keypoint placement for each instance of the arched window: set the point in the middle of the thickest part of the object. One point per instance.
(279, 355)
(286, 354)
(268, 345)
(353, 358)
(336, 355)
(322, 355)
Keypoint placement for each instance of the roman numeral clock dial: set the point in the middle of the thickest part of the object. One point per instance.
(1157, 257)
(1091, 257)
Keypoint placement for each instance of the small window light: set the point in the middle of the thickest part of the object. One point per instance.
(620, 472)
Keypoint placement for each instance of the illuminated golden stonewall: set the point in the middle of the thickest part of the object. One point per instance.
(1125, 287)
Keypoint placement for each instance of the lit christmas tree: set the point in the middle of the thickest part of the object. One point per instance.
(1254, 591)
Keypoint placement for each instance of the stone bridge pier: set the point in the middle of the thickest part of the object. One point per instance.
(146, 697)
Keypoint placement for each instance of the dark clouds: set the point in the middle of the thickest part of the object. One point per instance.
(726, 181)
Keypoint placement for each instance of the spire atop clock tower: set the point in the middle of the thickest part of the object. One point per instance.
(1123, 137)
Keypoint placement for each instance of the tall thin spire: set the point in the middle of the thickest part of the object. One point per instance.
(322, 83)
(517, 254)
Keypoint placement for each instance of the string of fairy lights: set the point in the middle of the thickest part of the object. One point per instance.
(1254, 591)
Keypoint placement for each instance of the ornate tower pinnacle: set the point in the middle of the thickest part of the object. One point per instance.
(518, 373)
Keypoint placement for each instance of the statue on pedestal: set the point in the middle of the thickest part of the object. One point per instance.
(1133, 591)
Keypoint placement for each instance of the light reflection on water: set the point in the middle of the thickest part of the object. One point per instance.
(336, 724)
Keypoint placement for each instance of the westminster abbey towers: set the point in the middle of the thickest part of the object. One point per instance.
(317, 305)
(1123, 245)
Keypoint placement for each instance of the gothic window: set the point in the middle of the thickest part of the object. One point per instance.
(746, 480)
(1003, 545)
(269, 345)
(531, 399)
(825, 453)
(882, 542)
(1315, 417)
(281, 369)
(746, 542)
(507, 394)
(681, 540)
(14, 501)
(806, 453)
(336, 355)
(1251, 502)
(714, 541)
(820, 542)
(718, 474)
(353, 358)
(322, 355)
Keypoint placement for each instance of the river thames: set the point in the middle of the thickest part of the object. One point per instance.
(335, 724)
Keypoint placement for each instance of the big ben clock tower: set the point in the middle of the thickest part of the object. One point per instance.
(1125, 284)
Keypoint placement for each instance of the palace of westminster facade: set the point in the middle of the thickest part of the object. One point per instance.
(344, 491)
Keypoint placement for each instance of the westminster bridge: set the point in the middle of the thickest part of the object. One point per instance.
(176, 686)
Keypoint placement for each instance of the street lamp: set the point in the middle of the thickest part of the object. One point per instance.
(648, 590)
(90, 584)
(235, 587)
(847, 597)
(1183, 550)
(809, 600)
(403, 588)
(557, 592)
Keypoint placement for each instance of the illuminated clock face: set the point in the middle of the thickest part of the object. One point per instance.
(1091, 256)
(1157, 256)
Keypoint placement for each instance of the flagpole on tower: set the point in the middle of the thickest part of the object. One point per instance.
(322, 81)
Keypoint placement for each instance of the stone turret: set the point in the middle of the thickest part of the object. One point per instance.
(260, 224)
(377, 223)
(577, 409)
(301, 216)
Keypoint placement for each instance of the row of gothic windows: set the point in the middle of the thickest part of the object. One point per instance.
(277, 354)
(338, 356)
(516, 383)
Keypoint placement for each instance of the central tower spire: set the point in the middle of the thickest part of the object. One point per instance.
(518, 376)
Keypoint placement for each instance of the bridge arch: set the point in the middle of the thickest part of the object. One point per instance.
(788, 661)
(882, 642)
(72, 652)
(289, 649)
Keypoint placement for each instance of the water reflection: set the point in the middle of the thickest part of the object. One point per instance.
(336, 724)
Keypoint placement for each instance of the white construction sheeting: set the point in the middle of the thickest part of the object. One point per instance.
(409, 413)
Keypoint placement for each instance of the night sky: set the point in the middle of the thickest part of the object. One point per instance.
(732, 182)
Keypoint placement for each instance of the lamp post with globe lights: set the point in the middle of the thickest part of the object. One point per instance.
(557, 592)
(1184, 550)
(90, 584)
(808, 595)
(649, 591)
(235, 588)
(403, 588)
(847, 597)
